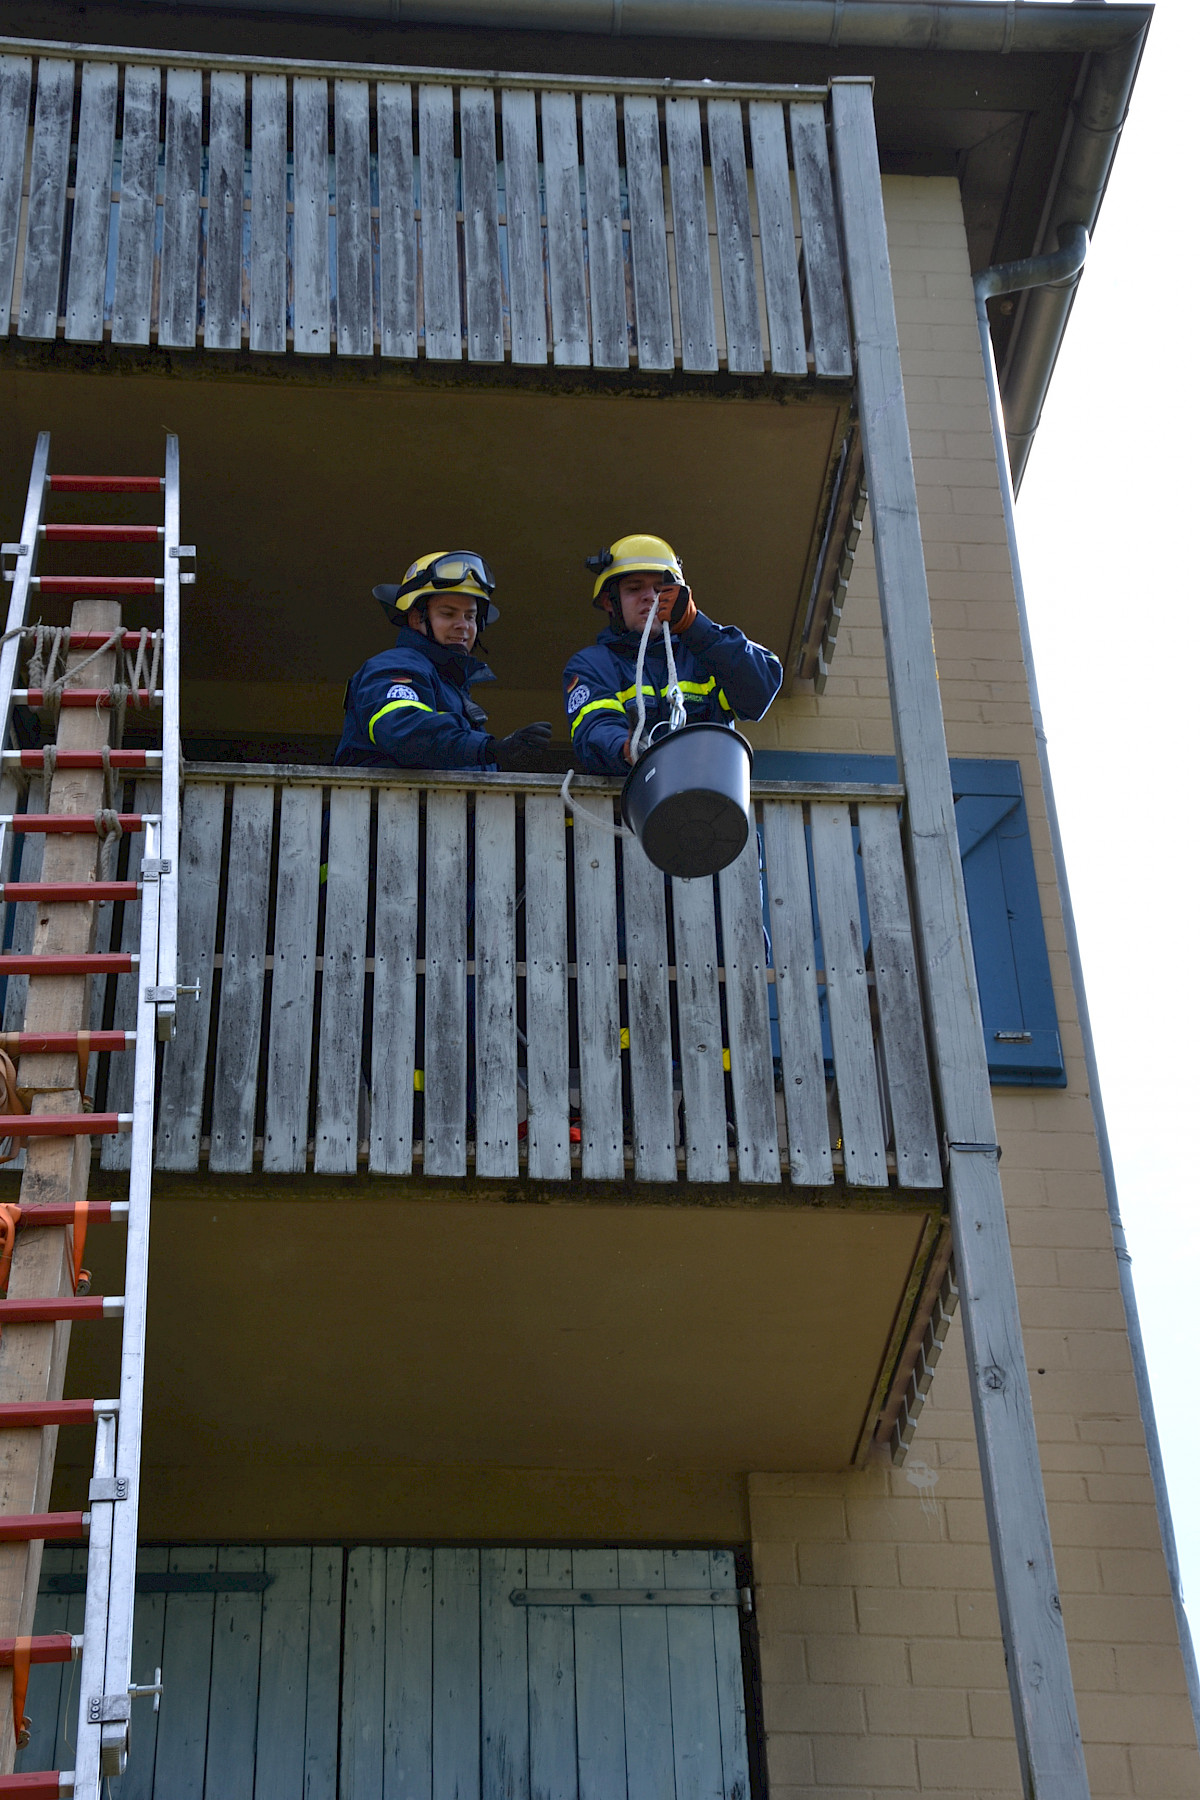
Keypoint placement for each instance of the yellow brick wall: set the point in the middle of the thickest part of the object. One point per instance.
(882, 1666)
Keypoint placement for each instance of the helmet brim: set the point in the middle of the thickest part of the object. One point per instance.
(388, 593)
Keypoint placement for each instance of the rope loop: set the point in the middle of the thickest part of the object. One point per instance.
(108, 825)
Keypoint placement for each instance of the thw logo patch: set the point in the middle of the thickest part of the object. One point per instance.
(400, 692)
(579, 697)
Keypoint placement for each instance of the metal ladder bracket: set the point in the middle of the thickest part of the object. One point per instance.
(108, 1487)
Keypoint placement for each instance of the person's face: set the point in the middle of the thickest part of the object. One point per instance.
(638, 595)
(450, 619)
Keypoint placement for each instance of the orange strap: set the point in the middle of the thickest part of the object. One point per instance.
(9, 1219)
(78, 1240)
(22, 1647)
(12, 1101)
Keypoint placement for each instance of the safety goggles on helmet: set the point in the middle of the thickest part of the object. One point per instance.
(449, 570)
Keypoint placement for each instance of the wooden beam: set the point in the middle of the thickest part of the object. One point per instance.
(33, 1357)
(1039, 1674)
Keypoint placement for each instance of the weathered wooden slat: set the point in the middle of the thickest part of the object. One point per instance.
(178, 286)
(649, 1006)
(456, 1761)
(504, 1677)
(397, 221)
(819, 240)
(310, 215)
(293, 982)
(605, 236)
(897, 995)
(599, 1691)
(846, 989)
(16, 82)
(394, 1004)
(551, 1638)
(93, 203)
(344, 957)
(646, 1681)
(187, 1653)
(115, 1150)
(226, 211)
(446, 984)
(362, 1675)
(283, 1673)
(523, 227)
(731, 1687)
(408, 1677)
(41, 273)
(777, 238)
(185, 1057)
(689, 216)
(546, 988)
(599, 996)
(243, 972)
(698, 1003)
(564, 230)
(324, 1657)
(268, 216)
(495, 985)
(439, 225)
(135, 213)
(735, 241)
(691, 1656)
(648, 234)
(25, 919)
(233, 1700)
(751, 1069)
(352, 180)
(793, 952)
(481, 225)
(149, 1617)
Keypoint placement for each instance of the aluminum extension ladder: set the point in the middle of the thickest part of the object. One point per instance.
(110, 1523)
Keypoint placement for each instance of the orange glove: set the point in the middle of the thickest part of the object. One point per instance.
(677, 608)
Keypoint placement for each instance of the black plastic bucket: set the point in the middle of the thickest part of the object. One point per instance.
(688, 799)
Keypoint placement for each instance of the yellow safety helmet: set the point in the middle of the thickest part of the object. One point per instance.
(637, 555)
(441, 572)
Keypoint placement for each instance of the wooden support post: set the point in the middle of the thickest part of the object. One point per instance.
(33, 1357)
(1039, 1674)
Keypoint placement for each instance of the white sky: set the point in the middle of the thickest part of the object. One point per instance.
(1108, 556)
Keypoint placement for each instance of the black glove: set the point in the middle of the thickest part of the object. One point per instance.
(522, 750)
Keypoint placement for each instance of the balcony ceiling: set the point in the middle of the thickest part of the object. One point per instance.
(301, 495)
(575, 1337)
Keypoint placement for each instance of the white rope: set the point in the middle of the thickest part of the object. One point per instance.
(581, 812)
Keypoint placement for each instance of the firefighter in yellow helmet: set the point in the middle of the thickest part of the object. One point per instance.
(412, 706)
(723, 675)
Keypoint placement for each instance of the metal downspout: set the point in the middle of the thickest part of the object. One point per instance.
(1061, 267)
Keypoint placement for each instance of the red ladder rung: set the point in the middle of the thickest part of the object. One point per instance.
(28, 1528)
(65, 1043)
(55, 1647)
(99, 1212)
(68, 1307)
(96, 584)
(87, 759)
(102, 534)
(106, 484)
(80, 697)
(67, 822)
(19, 1415)
(64, 1124)
(91, 962)
(49, 1786)
(69, 890)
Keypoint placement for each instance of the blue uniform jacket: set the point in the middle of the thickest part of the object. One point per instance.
(412, 707)
(722, 674)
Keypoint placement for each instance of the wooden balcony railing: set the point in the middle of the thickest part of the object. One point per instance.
(475, 974)
(153, 197)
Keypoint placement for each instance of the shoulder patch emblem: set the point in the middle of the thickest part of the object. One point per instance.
(399, 691)
(578, 696)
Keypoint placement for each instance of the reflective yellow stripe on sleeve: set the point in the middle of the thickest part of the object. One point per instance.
(595, 706)
(393, 706)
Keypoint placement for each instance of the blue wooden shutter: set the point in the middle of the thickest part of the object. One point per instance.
(1020, 1022)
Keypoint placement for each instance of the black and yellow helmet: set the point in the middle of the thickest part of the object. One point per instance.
(636, 555)
(441, 572)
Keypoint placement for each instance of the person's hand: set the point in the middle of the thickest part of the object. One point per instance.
(522, 750)
(676, 607)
